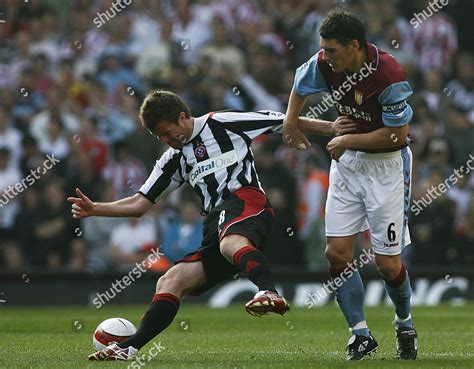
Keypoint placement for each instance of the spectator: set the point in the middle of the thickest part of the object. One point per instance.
(32, 157)
(154, 61)
(115, 74)
(97, 232)
(460, 135)
(146, 26)
(312, 199)
(55, 229)
(461, 89)
(438, 157)
(55, 107)
(25, 223)
(112, 124)
(9, 207)
(461, 250)
(56, 142)
(42, 80)
(189, 31)
(432, 228)
(183, 235)
(93, 145)
(9, 177)
(221, 51)
(461, 194)
(10, 138)
(126, 172)
(435, 40)
(129, 242)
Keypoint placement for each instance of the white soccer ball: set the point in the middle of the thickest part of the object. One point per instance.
(112, 330)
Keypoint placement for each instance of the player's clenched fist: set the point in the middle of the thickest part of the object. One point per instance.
(82, 206)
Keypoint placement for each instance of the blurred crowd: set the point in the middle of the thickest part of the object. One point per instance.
(72, 77)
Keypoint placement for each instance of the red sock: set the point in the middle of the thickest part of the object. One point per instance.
(255, 266)
(160, 314)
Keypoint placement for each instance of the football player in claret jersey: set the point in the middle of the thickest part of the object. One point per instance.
(370, 171)
(211, 153)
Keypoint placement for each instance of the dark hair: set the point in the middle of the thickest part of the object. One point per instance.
(56, 119)
(160, 106)
(4, 151)
(344, 27)
(28, 140)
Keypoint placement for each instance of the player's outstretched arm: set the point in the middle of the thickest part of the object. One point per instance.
(292, 134)
(133, 206)
(341, 126)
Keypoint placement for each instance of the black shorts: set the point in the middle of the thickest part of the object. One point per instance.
(246, 212)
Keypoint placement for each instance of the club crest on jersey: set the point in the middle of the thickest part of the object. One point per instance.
(200, 150)
(358, 96)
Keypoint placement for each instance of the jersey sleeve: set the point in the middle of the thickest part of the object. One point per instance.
(309, 79)
(395, 110)
(252, 124)
(165, 176)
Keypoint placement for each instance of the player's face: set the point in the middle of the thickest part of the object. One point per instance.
(173, 134)
(338, 56)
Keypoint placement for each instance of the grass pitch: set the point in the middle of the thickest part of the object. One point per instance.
(201, 337)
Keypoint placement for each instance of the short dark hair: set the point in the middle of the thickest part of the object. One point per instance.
(160, 106)
(4, 151)
(344, 27)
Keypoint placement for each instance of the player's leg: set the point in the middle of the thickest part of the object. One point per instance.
(350, 295)
(241, 252)
(345, 218)
(181, 279)
(388, 219)
(397, 285)
(244, 222)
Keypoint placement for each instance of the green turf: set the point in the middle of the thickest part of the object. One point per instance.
(230, 338)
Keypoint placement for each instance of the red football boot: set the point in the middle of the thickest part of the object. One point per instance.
(265, 302)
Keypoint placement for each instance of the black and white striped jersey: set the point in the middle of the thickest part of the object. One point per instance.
(217, 159)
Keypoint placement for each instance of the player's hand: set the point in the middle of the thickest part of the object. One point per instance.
(343, 125)
(293, 137)
(82, 206)
(336, 147)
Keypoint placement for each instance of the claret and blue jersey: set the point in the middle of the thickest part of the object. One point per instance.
(374, 97)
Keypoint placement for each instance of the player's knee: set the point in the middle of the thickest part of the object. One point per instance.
(226, 247)
(388, 266)
(337, 257)
(161, 284)
(169, 282)
(230, 244)
(388, 271)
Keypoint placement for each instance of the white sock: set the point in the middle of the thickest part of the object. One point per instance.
(360, 325)
(398, 320)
